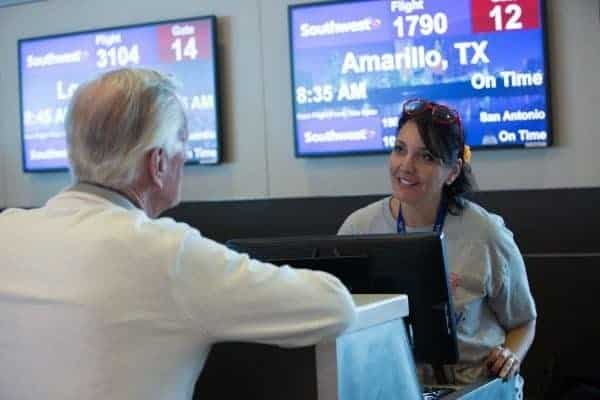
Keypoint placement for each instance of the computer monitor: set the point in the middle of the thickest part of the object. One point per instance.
(412, 264)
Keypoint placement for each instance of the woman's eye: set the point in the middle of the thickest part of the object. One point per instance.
(427, 157)
(398, 148)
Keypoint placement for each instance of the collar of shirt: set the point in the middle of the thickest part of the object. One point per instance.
(104, 192)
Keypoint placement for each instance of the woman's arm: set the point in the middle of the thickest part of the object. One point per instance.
(505, 361)
(519, 339)
(512, 302)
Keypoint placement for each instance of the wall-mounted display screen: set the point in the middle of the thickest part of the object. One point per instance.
(355, 62)
(51, 68)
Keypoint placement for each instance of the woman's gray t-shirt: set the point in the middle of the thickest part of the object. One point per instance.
(489, 285)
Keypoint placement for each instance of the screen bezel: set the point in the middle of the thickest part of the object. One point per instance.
(215, 77)
(547, 84)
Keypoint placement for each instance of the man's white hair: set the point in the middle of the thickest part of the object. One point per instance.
(115, 119)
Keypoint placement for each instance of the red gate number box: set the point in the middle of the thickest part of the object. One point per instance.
(524, 12)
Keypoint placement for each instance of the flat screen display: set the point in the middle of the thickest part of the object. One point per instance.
(51, 69)
(413, 264)
(354, 63)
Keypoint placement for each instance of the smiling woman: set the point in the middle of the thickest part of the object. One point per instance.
(430, 172)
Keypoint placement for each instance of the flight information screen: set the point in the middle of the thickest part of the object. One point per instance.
(51, 69)
(354, 63)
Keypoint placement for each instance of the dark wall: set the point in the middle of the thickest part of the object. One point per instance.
(565, 352)
(557, 230)
(543, 221)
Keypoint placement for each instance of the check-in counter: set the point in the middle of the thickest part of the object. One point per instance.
(371, 360)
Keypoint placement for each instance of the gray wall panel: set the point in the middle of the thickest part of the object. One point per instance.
(257, 112)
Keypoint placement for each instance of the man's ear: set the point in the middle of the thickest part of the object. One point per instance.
(156, 166)
(454, 172)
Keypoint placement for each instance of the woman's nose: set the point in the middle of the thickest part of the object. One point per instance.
(408, 163)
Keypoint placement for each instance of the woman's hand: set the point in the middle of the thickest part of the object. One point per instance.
(502, 362)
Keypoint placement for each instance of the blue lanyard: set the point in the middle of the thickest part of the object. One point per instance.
(439, 219)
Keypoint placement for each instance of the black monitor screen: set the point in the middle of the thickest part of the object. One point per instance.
(412, 264)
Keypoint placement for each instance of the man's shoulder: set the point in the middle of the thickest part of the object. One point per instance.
(140, 222)
(100, 217)
(170, 225)
(11, 211)
(15, 216)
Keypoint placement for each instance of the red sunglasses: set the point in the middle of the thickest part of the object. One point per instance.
(439, 113)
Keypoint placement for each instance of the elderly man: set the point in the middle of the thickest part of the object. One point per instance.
(98, 300)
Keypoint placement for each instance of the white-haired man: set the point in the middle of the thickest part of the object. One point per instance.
(98, 300)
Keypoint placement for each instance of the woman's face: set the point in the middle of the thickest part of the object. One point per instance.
(417, 177)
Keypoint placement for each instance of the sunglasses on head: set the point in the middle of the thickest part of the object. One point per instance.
(439, 113)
